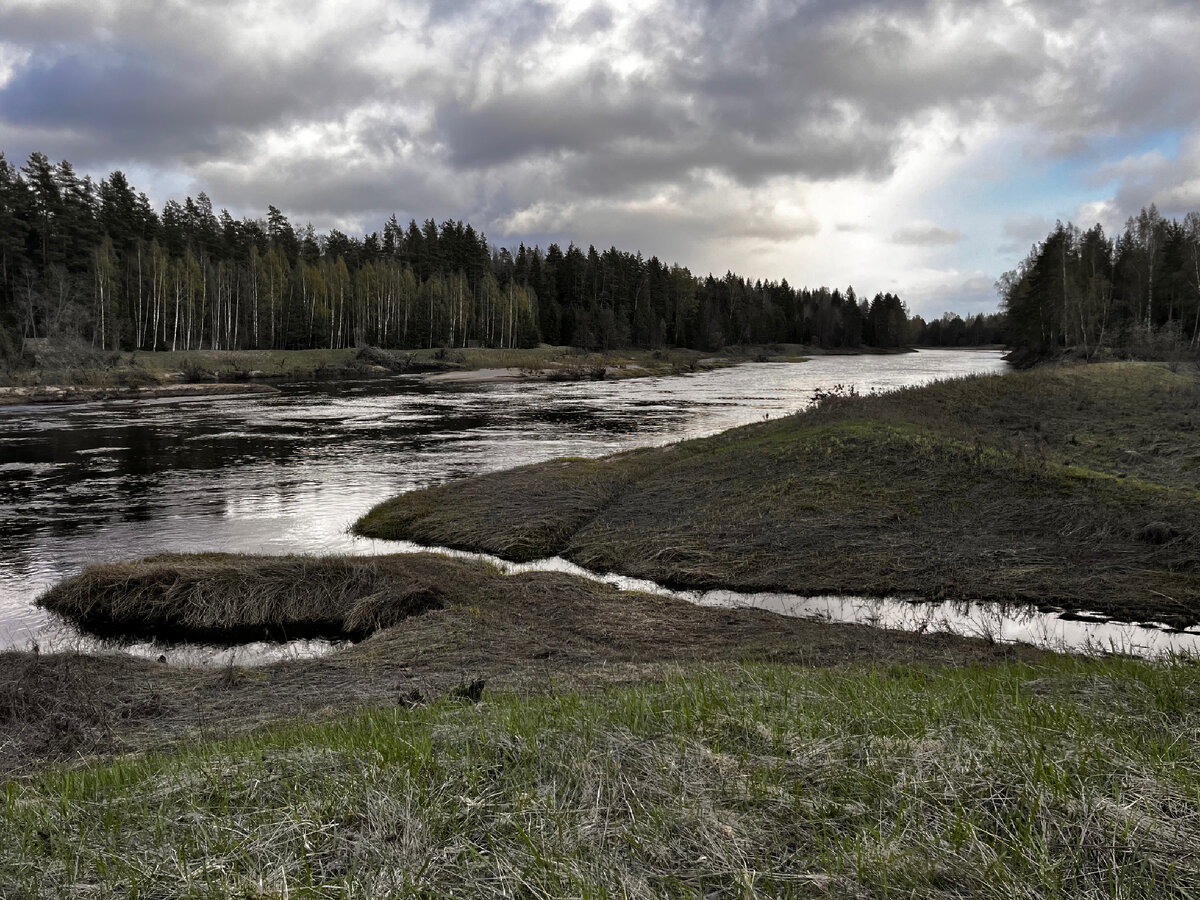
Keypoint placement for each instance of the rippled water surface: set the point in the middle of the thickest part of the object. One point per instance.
(289, 472)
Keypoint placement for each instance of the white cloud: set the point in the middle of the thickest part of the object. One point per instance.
(1021, 232)
(926, 233)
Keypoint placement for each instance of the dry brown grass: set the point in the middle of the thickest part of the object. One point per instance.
(227, 598)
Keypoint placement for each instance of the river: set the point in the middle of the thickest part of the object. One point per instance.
(289, 472)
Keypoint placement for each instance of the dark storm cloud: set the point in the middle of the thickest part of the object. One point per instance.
(608, 135)
(168, 90)
(587, 115)
(122, 102)
(39, 23)
(635, 166)
(791, 65)
(741, 105)
(362, 191)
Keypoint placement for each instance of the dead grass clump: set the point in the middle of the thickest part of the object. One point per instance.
(1156, 533)
(226, 598)
(65, 705)
(376, 356)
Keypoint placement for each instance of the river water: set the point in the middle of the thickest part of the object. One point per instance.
(289, 472)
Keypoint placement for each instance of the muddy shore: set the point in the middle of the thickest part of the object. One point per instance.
(89, 375)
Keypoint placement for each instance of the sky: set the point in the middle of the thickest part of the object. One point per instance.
(913, 146)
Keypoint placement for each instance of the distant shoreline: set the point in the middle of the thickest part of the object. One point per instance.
(53, 394)
(86, 376)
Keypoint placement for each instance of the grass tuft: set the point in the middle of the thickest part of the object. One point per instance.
(230, 599)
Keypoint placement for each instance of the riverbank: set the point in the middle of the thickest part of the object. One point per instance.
(1074, 488)
(424, 624)
(83, 374)
(20, 396)
(540, 732)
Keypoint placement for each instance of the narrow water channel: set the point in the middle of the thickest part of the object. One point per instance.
(1002, 624)
(288, 473)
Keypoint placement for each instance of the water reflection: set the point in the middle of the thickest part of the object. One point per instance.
(288, 473)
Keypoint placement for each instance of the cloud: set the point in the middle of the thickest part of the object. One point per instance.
(926, 234)
(1096, 212)
(966, 296)
(806, 139)
(1021, 232)
(164, 87)
(1172, 182)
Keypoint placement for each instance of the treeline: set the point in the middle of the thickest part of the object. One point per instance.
(1082, 289)
(96, 263)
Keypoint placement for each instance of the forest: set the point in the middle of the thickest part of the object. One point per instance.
(1081, 289)
(95, 264)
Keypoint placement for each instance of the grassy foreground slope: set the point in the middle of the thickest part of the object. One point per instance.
(1073, 778)
(1072, 487)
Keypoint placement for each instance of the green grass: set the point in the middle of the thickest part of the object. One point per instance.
(1076, 488)
(1072, 778)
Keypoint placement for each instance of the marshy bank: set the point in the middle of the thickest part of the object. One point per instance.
(80, 374)
(425, 625)
(83, 374)
(1073, 488)
(20, 396)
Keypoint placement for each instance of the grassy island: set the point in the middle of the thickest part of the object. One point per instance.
(1068, 487)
